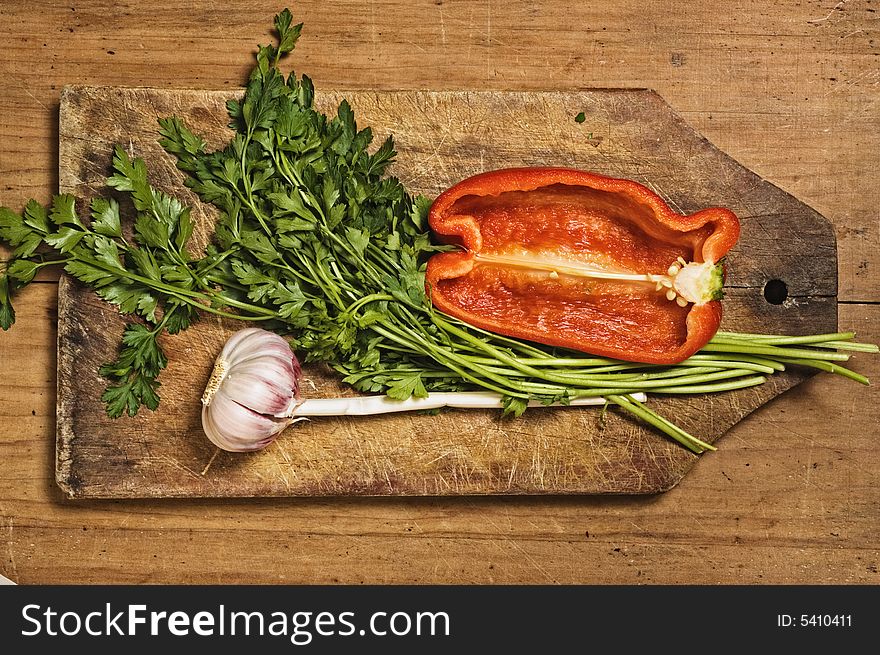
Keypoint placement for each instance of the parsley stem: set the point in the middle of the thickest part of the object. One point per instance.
(504, 357)
(686, 377)
(716, 357)
(484, 346)
(297, 184)
(449, 360)
(557, 362)
(373, 297)
(649, 416)
(775, 339)
(218, 260)
(248, 200)
(851, 346)
(830, 368)
(743, 364)
(774, 351)
(515, 345)
(51, 262)
(264, 312)
(545, 389)
(236, 317)
(321, 280)
(680, 384)
(191, 297)
(161, 325)
(712, 388)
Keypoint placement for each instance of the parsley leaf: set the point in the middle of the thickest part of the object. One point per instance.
(288, 35)
(105, 217)
(513, 406)
(134, 372)
(154, 278)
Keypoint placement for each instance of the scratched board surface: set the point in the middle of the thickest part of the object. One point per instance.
(442, 137)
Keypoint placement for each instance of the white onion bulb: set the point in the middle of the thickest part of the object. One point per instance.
(252, 392)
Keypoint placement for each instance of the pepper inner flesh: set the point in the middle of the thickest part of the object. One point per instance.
(632, 318)
(526, 236)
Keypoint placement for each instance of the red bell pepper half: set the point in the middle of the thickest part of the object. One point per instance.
(581, 261)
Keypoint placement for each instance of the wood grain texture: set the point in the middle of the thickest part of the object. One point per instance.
(442, 137)
(787, 88)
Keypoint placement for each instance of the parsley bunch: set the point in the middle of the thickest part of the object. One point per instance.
(315, 242)
(150, 275)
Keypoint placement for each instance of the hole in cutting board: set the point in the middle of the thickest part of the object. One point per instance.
(775, 292)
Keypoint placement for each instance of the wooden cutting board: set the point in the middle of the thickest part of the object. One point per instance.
(442, 137)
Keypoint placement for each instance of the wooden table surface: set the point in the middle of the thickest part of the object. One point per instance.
(790, 89)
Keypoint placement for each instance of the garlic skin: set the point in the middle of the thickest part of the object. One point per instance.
(252, 392)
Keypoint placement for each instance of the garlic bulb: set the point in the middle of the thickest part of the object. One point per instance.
(252, 391)
(253, 394)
